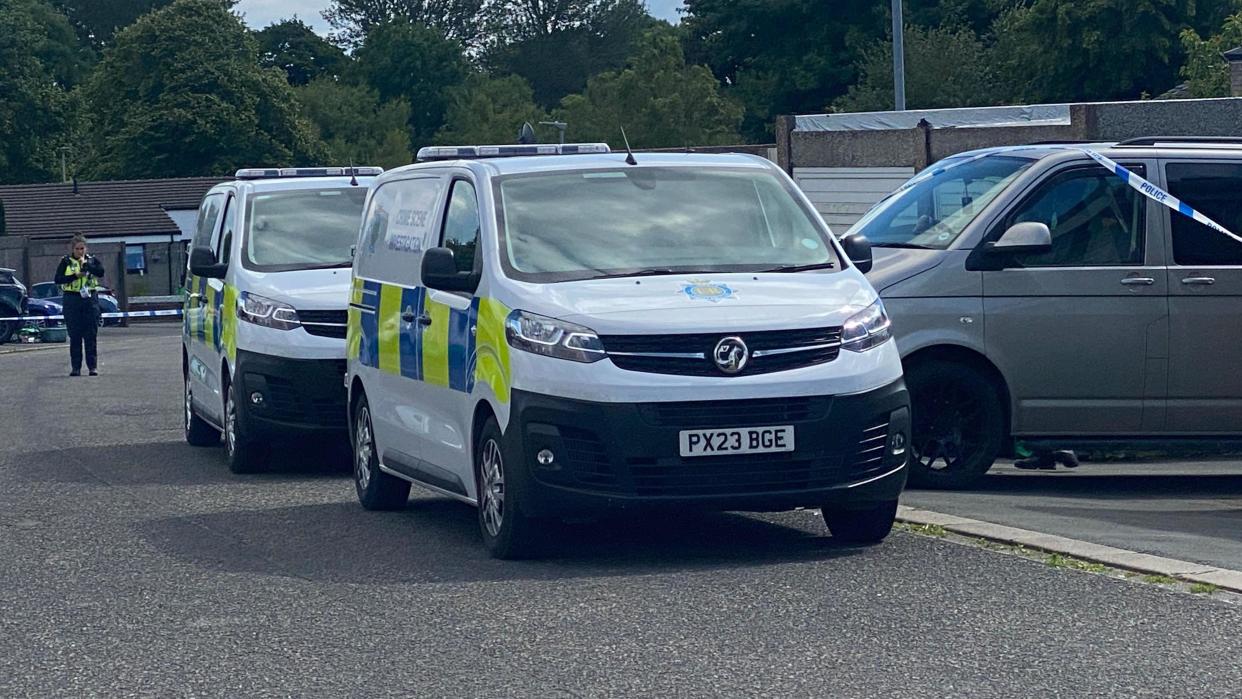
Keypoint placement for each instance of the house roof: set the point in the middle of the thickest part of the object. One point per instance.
(121, 207)
(1234, 54)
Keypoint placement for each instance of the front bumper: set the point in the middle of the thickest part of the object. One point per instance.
(623, 455)
(301, 395)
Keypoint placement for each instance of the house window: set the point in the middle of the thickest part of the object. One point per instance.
(135, 259)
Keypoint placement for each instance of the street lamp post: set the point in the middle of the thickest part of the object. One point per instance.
(899, 59)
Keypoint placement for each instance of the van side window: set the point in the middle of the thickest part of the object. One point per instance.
(208, 216)
(1216, 190)
(1096, 219)
(224, 243)
(397, 226)
(461, 225)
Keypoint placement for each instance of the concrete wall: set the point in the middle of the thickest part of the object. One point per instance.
(920, 146)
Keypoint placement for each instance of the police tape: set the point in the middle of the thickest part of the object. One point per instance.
(1136, 182)
(125, 314)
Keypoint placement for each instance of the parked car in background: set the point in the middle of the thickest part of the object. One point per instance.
(12, 304)
(44, 312)
(50, 291)
(9, 277)
(1037, 296)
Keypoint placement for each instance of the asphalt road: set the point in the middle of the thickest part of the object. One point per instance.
(131, 563)
(1190, 511)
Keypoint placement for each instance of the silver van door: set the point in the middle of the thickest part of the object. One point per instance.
(1205, 300)
(1081, 331)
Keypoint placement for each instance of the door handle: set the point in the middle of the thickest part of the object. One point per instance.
(408, 316)
(1199, 281)
(424, 320)
(195, 297)
(1138, 281)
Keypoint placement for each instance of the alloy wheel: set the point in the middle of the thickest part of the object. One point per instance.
(363, 450)
(493, 490)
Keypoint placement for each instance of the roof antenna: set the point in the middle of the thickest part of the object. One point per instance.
(526, 135)
(353, 174)
(629, 154)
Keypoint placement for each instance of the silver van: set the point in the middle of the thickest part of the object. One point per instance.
(1036, 296)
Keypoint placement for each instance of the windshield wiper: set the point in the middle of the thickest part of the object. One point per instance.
(801, 268)
(663, 271)
(326, 265)
(904, 246)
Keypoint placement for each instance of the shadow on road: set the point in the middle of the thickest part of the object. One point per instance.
(169, 463)
(437, 540)
(1070, 485)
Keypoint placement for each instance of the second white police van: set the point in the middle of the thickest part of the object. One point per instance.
(552, 331)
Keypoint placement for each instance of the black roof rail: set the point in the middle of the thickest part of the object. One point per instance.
(1153, 140)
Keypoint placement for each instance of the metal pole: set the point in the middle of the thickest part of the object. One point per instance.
(64, 175)
(899, 59)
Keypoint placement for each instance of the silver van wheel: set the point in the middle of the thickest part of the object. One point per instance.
(230, 424)
(189, 406)
(493, 491)
(364, 448)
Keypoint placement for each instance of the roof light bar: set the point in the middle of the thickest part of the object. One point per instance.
(507, 151)
(262, 173)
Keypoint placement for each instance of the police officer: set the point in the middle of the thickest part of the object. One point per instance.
(78, 276)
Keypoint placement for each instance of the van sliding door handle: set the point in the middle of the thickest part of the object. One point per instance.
(1138, 281)
(408, 316)
(1199, 281)
(424, 320)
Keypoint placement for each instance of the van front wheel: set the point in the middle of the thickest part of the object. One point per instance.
(507, 531)
(958, 424)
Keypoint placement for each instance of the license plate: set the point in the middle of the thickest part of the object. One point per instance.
(739, 440)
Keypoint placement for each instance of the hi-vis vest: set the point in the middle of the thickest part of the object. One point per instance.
(75, 286)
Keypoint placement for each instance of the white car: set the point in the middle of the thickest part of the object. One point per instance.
(263, 342)
(552, 331)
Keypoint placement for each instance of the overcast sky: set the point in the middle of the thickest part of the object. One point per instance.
(260, 13)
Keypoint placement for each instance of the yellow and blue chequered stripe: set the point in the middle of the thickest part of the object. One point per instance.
(217, 327)
(444, 353)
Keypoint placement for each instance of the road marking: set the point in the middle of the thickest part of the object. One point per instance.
(1097, 553)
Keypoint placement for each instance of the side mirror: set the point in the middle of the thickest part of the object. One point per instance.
(858, 249)
(439, 271)
(1030, 236)
(203, 264)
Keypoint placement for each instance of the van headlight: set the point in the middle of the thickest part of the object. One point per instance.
(552, 338)
(866, 329)
(260, 310)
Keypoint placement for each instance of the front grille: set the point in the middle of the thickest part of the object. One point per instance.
(755, 412)
(648, 353)
(732, 475)
(588, 459)
(284, 402)
(872, 447)
(325, 323)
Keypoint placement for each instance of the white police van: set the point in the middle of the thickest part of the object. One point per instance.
(263, 341)
(547, 331)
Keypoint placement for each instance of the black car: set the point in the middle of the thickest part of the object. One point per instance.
(12, 304)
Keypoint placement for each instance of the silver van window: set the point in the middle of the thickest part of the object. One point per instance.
(934, 212)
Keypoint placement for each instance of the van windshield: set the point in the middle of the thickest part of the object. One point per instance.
(590, 224)
(934, 212)
(302, 229)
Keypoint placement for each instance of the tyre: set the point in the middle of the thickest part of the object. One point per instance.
(7, 328)
(958, 424)
(244, 455)
(508, 532)
(861, 526)
(376, 490)
(197, 432)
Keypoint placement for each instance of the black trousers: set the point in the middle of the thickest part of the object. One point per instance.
(82, 320)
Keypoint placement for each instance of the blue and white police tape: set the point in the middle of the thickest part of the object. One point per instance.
(1144, 187)
(126, 314)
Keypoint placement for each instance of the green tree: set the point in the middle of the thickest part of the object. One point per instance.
(355, 125)
(945, 67)
(57, 47)
(556, 45)
(781, 56)
(1078, 50)
(488, 110)
(33, 102)
(181, 93)
(294, 48)
(97, 21)
(413, 62)
(1205, 69)
(354, 20)
(661, 102)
